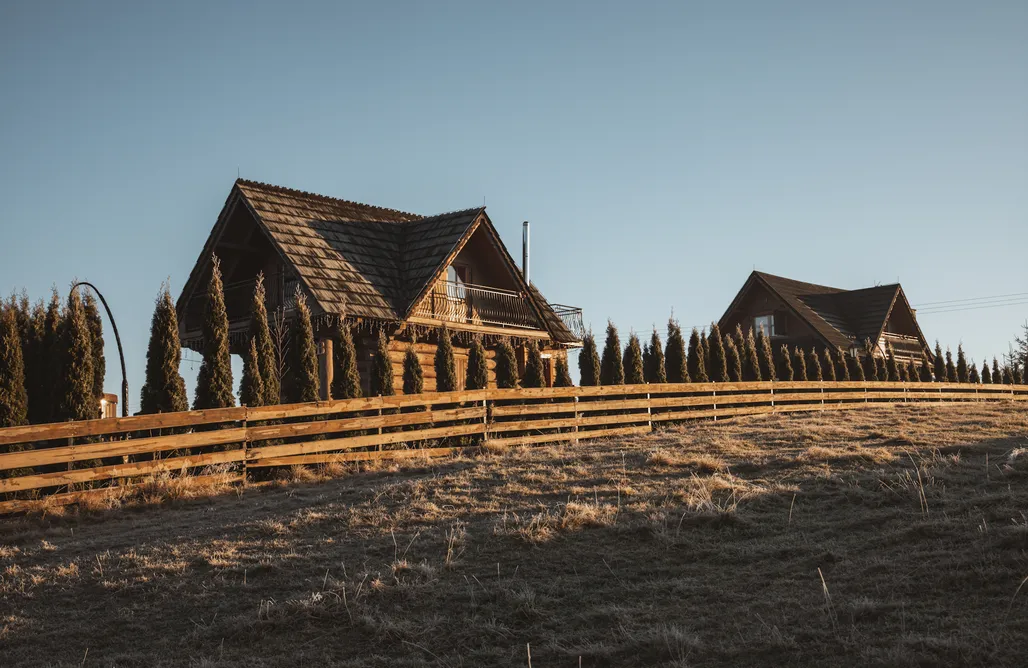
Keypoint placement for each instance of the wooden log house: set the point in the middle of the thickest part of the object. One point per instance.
(808, 315)
(369, 268)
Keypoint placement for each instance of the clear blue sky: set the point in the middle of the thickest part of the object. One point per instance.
(661, 151)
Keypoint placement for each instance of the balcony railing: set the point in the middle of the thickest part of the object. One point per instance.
(571, 316)
(478, 305)
(906, 347)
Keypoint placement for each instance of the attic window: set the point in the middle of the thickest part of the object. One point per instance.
(458, 273)
(765, 322)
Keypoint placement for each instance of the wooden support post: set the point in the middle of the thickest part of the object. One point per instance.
(649, 412)
(246, 446)
(578, 416)
(713, 393)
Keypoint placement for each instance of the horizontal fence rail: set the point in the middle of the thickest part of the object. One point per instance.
(66, 462)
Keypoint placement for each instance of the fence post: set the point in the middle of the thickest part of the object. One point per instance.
(772, 399)
(246, 443)
(485, 417)
(577, 417)
(649, 412)
(714, 394)
(822, 388)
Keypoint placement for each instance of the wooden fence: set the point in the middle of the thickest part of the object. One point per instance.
(70, 460)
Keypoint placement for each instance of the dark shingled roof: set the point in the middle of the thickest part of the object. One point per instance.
(842, 317)
(362, 260)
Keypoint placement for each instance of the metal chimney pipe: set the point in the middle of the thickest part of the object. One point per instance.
(524, 250)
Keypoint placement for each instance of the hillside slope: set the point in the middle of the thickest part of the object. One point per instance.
(894, 535)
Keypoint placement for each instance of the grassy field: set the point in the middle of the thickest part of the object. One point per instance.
(890, 536)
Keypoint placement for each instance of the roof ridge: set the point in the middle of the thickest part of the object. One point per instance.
(308, 194)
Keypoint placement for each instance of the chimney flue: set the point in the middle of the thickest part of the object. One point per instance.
(524, 250)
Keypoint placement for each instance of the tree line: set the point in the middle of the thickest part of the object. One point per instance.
(738, 357)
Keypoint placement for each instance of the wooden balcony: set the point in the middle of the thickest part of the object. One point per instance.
(906, 347)
(463, 303)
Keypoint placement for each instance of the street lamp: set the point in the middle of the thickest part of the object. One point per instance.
(117, 338)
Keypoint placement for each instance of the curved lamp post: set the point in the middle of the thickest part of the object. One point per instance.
(117, 338)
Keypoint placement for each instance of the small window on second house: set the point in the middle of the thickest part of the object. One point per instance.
(765, 322)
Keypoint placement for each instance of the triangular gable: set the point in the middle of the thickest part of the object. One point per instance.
(900, 299)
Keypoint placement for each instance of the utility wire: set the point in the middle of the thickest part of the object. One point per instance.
(972, 299)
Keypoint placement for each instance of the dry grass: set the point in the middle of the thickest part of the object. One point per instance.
(893, 536)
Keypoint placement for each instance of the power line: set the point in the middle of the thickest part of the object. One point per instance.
(971, 308)
(972, 299)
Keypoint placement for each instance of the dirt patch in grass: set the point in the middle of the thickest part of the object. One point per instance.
(891, 536)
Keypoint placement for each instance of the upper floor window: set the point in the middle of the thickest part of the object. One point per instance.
(458, 273)
(766, 323)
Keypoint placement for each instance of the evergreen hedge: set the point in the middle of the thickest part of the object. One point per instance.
(751, 361)
(655, 369)
(926, 368)
(632, 362)
(718, 368)
(951, 369)
(305, 382)
(346, 379)
(507, 365)
(267, 361)
(14, 398)
(214, 382)
(799, 365)
(696, 359)
(767, 358)
(533, 367)
(842, 369)
(563, 375)
(940, 364)
(51, 374)
(76, 399)
(732, 360)
(814, 371)
(445, 365)
(785, 370)
(251, 385)
(855, 367)
(827, 365)
(962, 374)
(972, 374)
(589, 362)
(413, 375)
(477, 377)
(891, 368)
(96, 339)
(997, 376)
(164, 390)
(986, 374)
(382, 368)
(676, 361)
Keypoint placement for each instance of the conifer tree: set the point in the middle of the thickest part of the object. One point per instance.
(767, 359)
(842, 369)
(382, 368)
(1008, 375)
(164, 390)
(855, 367)
(346, 378)
(655, 369)
(267, 363)
(870, 361)
(739, 339)
(814, 371)
(214, 382)
(76, 400)
(14, 399)
(785, 370)
(36, 365)
(997, 376)
(507, 365)
(477, 377)
(911, 372)
(251, 385)
(445, 365)
(732, 360)
(940, 364)
(926, 368)
(612, 370)
(705, 345)
(696, 359)
(589, 362)
(951, 369)
(986, 374)
(676, 362)
(96, 339)
(891, 368)
(751, 361)
(50, 371)
(827, 365)
(1016, 376)
(533, 367)
(413, 376)
(962, 374)
(632, 362)
(799, 365)
(972, 373)
(718, 369)
(304, 385)
(562, 374)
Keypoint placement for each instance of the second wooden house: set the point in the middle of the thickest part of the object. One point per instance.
(369, 268)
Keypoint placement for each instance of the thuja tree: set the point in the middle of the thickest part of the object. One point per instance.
(855, 367)
(785, 370)
(696, 360)
(533, 367)
(870, 361)
(413, 376)
(891, 368)
(382, 368)
(827, 365)
(164, 390)
(14, 399)
(35, 364)
(676, 361)
(477, 377)
(732, 360)
(1008, 375)
(612, 370)
(214, 382)
(997, 376)
(799, 364)
(261, 334)
(655, 369)
(589, 362)
(951, 369)
(346, 379)
(305, 382)
(718, 369)
(842, 369)
(767, 359)
(445, 366)
(1016, 374)
(814, 371)
(251, 385)
(986, 374)
(76, 399)
(972, 373)
(751, 361)
(962, 374)
(507, 365)
(562, 374)
(912, 373)
(926, 368)
(705, 346)
(50, 356)
(940, 364)
(632, 362)
(96, 339)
